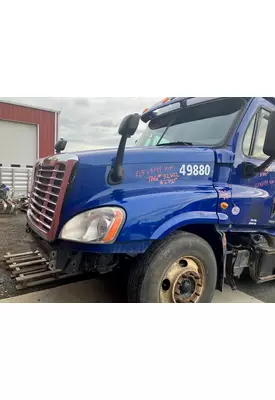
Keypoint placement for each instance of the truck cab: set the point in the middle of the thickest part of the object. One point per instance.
(189, 207)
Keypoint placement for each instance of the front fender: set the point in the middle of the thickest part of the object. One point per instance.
(188, 218)
(153, 214)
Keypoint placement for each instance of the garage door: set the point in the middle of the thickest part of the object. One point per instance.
(18, 143)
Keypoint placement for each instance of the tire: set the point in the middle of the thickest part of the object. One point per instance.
(147, 281)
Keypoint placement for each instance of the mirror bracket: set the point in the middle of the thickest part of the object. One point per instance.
(250, 170)
(60, 145)
(116, 174)
(127, 129)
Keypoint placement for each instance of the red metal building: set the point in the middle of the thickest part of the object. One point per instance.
(26, 133)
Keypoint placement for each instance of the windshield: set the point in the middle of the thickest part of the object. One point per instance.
(205, 124)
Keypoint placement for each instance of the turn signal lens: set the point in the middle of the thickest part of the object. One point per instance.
(114, 229)
(224, 205)
(165, 100)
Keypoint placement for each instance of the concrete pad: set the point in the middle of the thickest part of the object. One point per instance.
(91, 291)
(230, 296)
(96, 291)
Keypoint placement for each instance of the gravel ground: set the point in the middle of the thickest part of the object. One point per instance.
(13, 239)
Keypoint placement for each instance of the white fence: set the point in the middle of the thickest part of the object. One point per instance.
(17, 179)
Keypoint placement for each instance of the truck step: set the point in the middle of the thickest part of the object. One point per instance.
(31, 269)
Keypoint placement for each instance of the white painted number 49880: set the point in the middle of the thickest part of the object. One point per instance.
(202, 170)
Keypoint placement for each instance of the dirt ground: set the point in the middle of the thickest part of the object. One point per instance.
(13, 239)
(13, 236)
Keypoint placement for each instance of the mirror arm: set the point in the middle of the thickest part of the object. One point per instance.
(126, 129)
(250, 170)
(116, 174)
(264, 165)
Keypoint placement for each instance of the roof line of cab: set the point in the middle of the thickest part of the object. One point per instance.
(149, 113)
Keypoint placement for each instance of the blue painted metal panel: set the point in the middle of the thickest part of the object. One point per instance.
(158, 199)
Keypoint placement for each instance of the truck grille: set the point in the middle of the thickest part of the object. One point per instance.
(50, 183)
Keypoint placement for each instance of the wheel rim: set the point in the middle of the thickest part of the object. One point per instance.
(183, 282)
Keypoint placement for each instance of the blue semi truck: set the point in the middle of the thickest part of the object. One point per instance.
(189, 207)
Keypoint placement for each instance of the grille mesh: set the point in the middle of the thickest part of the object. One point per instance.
(47, 184)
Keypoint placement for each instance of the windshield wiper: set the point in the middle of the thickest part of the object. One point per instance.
(176, 144)
(166, 129)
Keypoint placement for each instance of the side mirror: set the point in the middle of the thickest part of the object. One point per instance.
(60, 145)
(269, 144)
(129, 125)
(126, 129)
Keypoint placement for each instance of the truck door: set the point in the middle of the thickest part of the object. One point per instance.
(253, 197)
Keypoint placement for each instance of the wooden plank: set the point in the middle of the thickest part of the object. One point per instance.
(39, 275)
(36, 271)
(33, 254)
(22, 259)
(28, 270)
(31, 269)
(8, 255)
(25, 264)
(40, 282)
(36, 266)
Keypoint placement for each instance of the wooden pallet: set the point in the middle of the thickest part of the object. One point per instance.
(31, 269)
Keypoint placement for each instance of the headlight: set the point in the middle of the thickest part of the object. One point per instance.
(101, 225)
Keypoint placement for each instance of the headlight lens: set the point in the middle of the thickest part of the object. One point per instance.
(101, 225)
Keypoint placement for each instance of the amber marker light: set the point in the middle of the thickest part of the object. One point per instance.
(116, 225)
(224, 205)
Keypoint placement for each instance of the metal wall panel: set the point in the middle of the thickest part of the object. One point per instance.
(18, 143)
(18, 180)
(45, 120)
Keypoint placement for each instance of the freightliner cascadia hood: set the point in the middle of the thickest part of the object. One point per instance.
(159, 183)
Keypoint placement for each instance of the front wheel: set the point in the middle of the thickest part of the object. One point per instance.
(180, 269)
